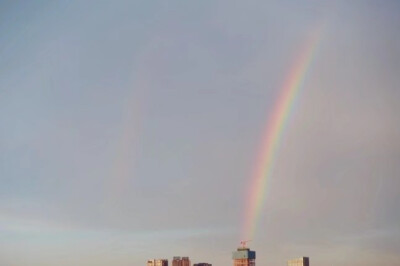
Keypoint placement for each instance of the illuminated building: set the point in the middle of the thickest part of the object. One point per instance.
(178, 261)
(244, 257)
(157, 262)
(303, 261)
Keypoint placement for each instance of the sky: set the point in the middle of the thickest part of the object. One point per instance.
(129, 130)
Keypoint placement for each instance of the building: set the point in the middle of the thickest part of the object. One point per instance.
(157, 262)
(244, 257)
(303, 261)
(178, 261)
(202, 264)
(185, 261)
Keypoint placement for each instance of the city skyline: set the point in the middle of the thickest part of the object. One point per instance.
(243, 256)
(133, 130)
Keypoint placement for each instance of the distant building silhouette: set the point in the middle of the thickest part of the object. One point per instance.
(303, 261)
(178, 261)
(244, 257)
(157, 262)
(202, 264)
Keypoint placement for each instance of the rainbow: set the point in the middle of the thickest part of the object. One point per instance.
(273, 134)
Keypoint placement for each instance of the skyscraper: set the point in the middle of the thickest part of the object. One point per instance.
(178, 261)
(244, 257)
(185, 261)
(303, 261)
(157, 262)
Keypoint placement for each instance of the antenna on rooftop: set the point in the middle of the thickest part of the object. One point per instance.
(244, 242)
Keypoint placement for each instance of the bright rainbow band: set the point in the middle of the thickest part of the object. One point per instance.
(273, 134)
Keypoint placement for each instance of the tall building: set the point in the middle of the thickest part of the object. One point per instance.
(178, 261)
(185, 261)
(202, 264)
(303, 261)
(157, 262)
(244, 257)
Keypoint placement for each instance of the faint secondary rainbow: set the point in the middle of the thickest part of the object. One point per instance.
(273, 134)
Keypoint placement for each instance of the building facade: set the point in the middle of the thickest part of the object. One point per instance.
(243, 256)
(157, 262)
(303, 261)
(202, 264)
(178, 261)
